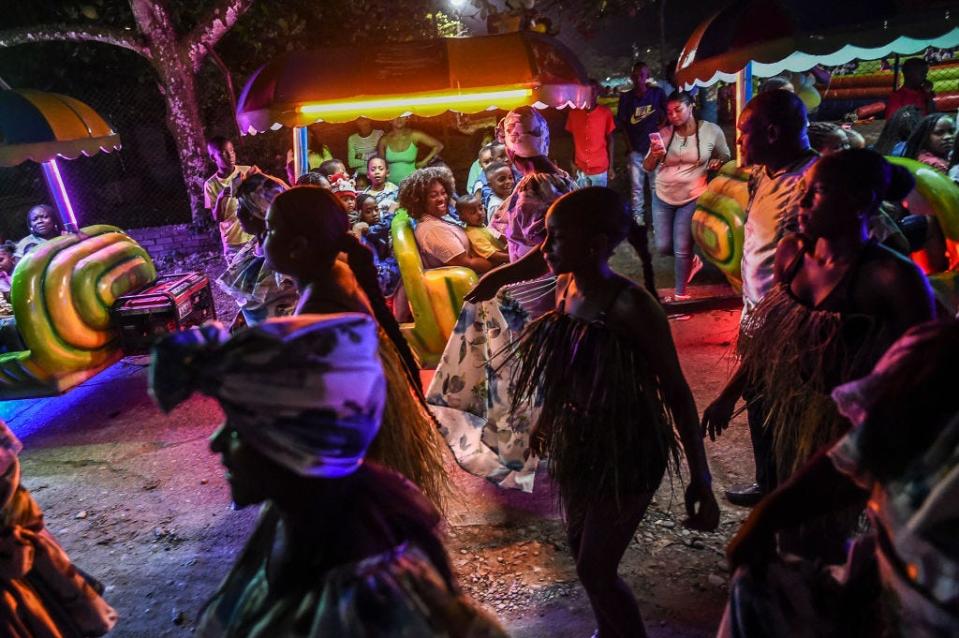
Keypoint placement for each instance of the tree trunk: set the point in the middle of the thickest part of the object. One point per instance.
(176, 79)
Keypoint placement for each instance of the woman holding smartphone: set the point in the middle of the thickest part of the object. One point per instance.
(681, 153)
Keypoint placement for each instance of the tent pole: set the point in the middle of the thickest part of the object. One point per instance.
(744, 93)
(301, 150)
(51, 172)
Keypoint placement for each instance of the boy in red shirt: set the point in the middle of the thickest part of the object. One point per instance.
(592, 131)
(913, 91)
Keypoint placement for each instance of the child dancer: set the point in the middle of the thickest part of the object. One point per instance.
(610, 395)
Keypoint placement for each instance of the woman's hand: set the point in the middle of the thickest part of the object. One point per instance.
(485, 289)
(717, 415)
(656, 149)
(714, 164)
(702, 510)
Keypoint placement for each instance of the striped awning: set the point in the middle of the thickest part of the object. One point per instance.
(383, 81)
(40, 126)
(796, 35)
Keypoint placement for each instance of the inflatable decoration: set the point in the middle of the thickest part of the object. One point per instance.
(937, 195)
(435, 295)
(61, 294)
(718, 220)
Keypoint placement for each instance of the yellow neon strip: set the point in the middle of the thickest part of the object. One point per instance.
(450, 99)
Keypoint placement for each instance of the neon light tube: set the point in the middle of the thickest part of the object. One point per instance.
(449, 99)
(59, 193)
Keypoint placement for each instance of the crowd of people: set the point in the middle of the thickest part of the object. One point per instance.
(843, 368)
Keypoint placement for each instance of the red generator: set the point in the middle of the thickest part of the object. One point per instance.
(170, 304)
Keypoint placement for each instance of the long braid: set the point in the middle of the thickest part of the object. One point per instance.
(360, 259)
(638, 238)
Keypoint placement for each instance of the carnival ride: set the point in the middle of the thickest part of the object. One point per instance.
(768, 37)
(63, 291)
(427, 79)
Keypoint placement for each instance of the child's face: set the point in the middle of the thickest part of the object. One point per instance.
(501, 182)
(499, 154)
(349, 201)
(223, 156)
(370, 213)
(485, 158)
(364, 126)
(340, 168)
(6, 261)
(472, 214)
(42, 223)
(377, 172)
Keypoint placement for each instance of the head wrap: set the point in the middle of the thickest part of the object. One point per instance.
(307, 391)
(525, 132)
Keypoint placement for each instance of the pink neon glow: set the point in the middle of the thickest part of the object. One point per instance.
(60, 196)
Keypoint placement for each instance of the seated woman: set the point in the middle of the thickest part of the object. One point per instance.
(41, 592)
(426, 196)
(902, 452)
(44, 225)
(260, 291)
(343, 547)
(400, 147)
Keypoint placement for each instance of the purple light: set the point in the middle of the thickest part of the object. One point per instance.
(59, 193)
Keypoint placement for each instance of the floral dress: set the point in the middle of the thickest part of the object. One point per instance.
(470, 394)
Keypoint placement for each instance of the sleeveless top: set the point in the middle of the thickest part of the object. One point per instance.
(401, 163)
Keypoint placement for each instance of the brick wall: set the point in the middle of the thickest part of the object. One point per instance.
(176, 240)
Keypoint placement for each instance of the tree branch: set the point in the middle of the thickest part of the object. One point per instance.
(228, 78)
(74, 33)
(212, 27)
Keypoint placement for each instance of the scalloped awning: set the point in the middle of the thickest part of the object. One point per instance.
(796, 35)
(427, 78)
(40, 126)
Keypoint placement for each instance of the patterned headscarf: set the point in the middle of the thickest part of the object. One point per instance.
(525, 132)
(307, 391)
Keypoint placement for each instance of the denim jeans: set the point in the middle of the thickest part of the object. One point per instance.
(672, 225)
(584, 180)
(639, 177)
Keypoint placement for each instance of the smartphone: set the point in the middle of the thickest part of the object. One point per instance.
(656, 138)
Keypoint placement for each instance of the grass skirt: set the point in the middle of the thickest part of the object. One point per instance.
(795, 355)
(408, 441)
(608, 431)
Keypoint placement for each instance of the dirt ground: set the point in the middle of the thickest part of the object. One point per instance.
(137, 499)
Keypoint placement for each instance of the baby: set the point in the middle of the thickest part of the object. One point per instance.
(482, 241)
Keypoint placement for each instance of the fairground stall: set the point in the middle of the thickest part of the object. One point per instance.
(427, 79)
